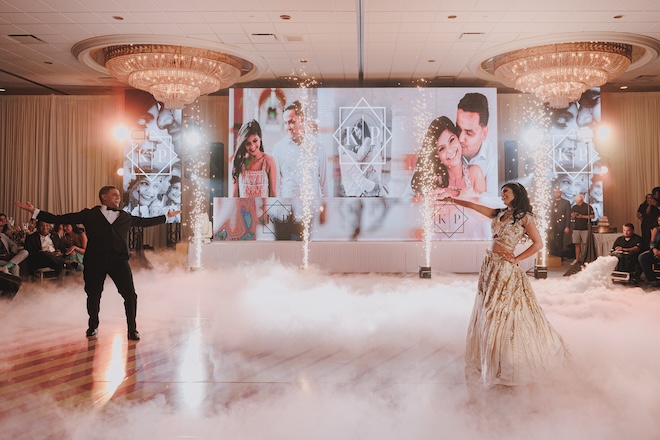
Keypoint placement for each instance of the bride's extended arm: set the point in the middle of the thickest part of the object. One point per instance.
(481, 209)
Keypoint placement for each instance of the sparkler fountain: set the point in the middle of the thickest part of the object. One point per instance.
(309, 164)
(537, 139)
(427, 178)
(197, 159)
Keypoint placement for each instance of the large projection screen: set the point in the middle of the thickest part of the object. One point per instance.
(367, 144)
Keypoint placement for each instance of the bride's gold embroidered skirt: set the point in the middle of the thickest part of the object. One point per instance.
(509, 340)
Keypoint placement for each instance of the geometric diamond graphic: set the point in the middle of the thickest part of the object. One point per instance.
(276, 211)
(449, 218)
(356, 124)
(571, 155)
(152, 156)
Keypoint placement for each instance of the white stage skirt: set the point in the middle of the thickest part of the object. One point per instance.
(351, 257)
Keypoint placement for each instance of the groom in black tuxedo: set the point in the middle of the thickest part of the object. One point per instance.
(107, 252)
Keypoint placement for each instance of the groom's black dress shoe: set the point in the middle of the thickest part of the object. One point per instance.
(92, 333)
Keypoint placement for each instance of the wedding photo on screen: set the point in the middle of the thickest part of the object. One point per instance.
(152, 161)
(364, 152)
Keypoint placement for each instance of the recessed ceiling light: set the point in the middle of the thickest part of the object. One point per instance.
(451, 17)
(431, 61)
(616, 17)
(303, 61)
(285, 17)
(118, 17)
(48, 62)
(623, 87)
(2, 90)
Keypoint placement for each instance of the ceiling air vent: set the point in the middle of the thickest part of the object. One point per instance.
(26, 39)
(444, 80)
(646, 78)
(263, 38)
(293, 38)
(473, 36)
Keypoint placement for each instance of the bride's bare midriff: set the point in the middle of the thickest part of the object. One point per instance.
(498, 249)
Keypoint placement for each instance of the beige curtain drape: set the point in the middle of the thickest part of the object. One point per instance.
(632, 153)
(57, 151)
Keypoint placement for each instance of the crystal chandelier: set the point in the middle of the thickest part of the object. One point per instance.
(174, 75)
(559, 73)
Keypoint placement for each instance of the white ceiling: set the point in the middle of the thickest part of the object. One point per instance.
(404, 40)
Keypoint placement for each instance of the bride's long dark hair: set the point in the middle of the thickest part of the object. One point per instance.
(520, 204)
(248, 129)
(429, 155)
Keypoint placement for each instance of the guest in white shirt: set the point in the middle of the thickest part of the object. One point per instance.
(10, 256)
(46, 250)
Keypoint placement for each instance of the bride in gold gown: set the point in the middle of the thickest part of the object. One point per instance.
(509, 341)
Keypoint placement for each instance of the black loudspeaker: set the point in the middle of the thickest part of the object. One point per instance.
(9, 285)
(540, 272)
(218, 185)
(510, 160)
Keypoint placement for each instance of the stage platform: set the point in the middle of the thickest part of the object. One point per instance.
(352, 257)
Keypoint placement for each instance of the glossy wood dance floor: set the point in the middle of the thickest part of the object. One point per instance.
(47, 372)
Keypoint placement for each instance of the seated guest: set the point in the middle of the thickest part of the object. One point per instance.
(75, 241)
(58, 230)
(10, 256)
(15, 233)
(4, 226)
(46, 250)
(626, 248)
(652, 256)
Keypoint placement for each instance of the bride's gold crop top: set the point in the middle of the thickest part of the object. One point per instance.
(505, 232)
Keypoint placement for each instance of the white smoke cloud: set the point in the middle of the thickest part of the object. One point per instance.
(263, 350)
